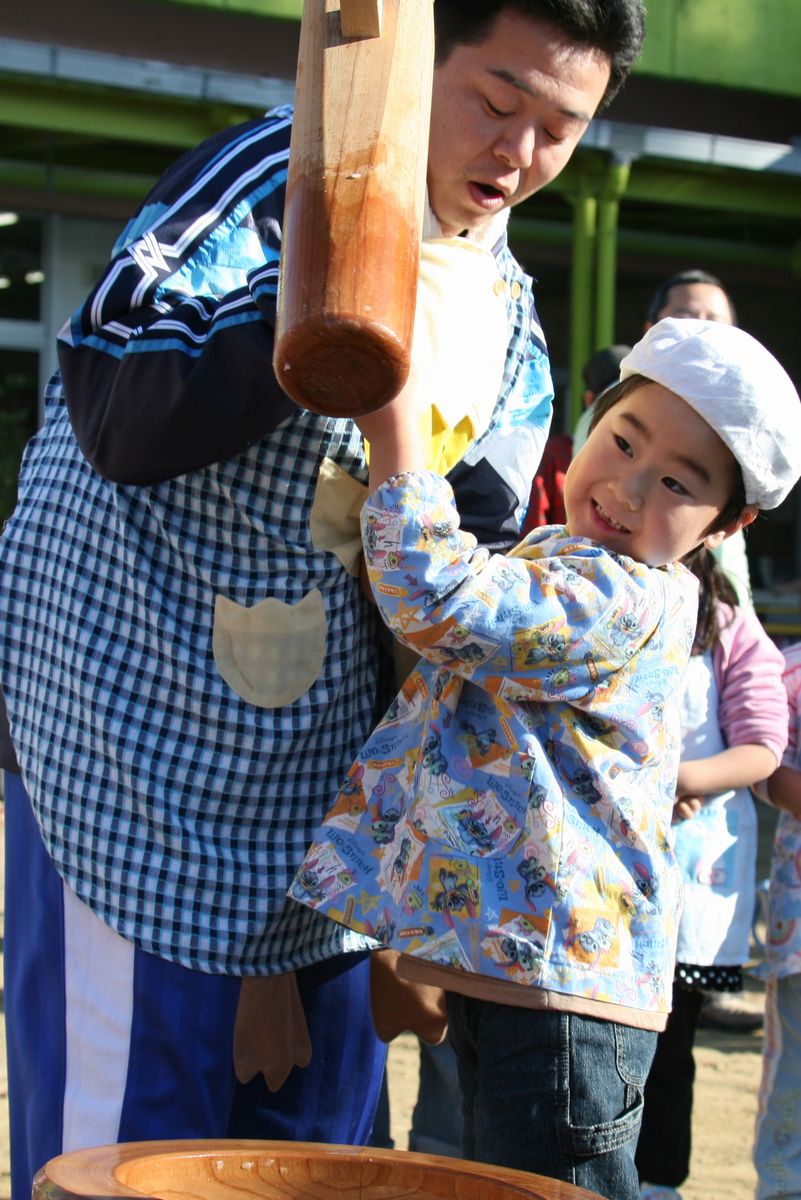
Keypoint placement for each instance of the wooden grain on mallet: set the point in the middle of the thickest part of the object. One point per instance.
(354, 208)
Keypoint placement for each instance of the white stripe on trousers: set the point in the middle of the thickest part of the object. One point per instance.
(98, 1026)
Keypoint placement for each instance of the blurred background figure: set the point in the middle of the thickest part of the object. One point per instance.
(600, 371)
(691, 294)
(777, 1135)
(546, 504)
(733, 731)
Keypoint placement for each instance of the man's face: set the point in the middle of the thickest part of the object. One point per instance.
(703, 301)
(506, 115)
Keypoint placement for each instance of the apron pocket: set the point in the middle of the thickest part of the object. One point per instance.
(270, 653)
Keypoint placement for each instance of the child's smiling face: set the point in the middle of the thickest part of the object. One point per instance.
(652, 480)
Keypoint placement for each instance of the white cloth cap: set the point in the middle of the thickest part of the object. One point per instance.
(739, 388)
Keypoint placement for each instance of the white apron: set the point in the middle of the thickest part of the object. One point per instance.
(716, 848)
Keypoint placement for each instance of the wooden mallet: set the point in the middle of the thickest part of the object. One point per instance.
(354, 203)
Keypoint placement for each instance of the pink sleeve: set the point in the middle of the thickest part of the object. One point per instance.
(753, 700)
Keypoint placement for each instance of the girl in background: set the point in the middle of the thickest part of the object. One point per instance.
(734, 729)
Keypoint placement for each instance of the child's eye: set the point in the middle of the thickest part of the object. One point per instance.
(555, 139)
(622, 444)
(673, 485)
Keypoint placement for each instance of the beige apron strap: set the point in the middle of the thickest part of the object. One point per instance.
(270, 1033)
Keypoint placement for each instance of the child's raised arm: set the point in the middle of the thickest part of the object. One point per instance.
(393, 434)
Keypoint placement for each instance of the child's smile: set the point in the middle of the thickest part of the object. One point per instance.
(609, 520)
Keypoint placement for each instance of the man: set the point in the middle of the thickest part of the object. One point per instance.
(691, 294)
(188, 660)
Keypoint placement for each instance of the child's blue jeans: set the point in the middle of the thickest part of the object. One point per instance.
(554, 1093)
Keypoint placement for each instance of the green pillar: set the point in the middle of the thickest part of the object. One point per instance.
(613, 188)
(585, 208)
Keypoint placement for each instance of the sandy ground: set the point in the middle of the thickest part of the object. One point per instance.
(725, 1096)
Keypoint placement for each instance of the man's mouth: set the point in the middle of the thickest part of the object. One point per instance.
(609, 519)
(490, 191)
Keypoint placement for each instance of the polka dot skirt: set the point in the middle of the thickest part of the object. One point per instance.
(709, 979)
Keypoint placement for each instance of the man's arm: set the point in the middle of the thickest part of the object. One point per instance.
(167, 367)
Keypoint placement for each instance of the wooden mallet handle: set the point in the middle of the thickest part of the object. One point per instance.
(354, 206)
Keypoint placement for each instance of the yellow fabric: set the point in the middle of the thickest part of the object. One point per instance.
(461, 333)
(445, 444)
(334, 522)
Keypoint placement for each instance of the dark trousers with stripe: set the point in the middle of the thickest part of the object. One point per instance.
(107, 1043)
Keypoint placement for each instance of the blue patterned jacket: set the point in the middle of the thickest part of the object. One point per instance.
(509, 817)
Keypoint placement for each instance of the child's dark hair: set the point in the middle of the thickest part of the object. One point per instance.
(716, 589)
(608, 399)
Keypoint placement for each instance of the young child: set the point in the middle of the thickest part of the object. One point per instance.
(507, 824)
(734, 731)
(777, 1149)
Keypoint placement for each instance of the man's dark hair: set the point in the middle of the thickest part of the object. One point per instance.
(615, 27)
(660, 296)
